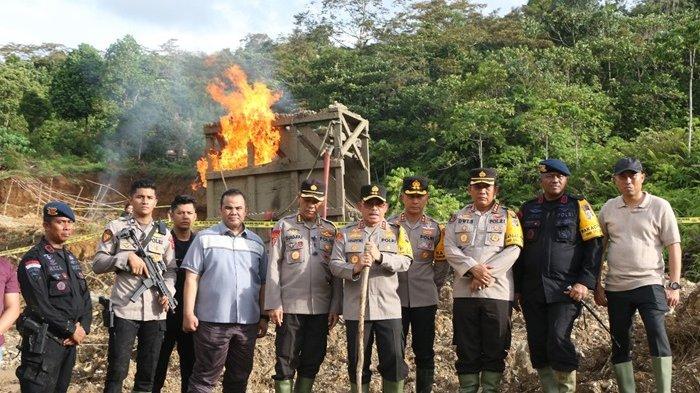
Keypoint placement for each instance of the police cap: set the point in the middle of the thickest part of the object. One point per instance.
(483, 176)
(415, 185)
(373, 191)
(313, 188)
(58, 209)
(554, 165)
(627, 164)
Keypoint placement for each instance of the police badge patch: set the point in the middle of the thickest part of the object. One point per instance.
(107, 236)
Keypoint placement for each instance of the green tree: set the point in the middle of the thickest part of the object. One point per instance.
(77, 88)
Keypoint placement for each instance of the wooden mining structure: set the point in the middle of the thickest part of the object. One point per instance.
(271, 189)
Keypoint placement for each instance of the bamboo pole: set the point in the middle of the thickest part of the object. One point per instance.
(7, 198)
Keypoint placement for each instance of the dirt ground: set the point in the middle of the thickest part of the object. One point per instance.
(595, 374)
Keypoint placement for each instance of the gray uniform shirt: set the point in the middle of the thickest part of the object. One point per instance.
(112, 255)
(298, 276)
(420, 285)
(383, 299)
(493, 238)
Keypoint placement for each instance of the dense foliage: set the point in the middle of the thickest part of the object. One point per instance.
(445, 88)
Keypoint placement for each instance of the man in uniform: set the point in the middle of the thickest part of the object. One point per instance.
(302, 298)
(637, 227)
(58, 313)
(144, 317)
(419, 287)
(482, 242)
(224, 298)
(183, 214)
(559, 263)
(385, 250)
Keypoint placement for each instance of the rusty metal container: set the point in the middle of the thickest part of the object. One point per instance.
(271, 189)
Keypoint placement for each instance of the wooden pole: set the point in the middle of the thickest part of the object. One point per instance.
(7, 198)
(361, 320)
(361, 329)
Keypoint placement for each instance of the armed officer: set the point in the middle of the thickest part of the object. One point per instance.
(482, 242)
(143, 317)
(384, 248)
(302, 298)
(419, 287)
(59, 311)
(559, 263)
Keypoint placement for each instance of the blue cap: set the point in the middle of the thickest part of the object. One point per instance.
(58, 209)
(554, 165)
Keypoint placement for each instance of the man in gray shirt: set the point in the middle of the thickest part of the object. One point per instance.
(637, 227)
(223, 298)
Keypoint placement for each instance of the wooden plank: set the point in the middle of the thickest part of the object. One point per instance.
(274, 166)
(310, 118)
(353, 136)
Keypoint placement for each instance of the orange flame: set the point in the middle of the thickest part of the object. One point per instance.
(247, 126)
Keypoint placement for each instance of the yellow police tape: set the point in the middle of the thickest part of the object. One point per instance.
(248, 224)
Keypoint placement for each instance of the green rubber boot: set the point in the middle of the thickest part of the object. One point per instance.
(283, 386)
(392, 386)
(624, 374)
(468, 383)
(566, 381)
(662, 373)
(547, 381)
(363, 389)
(303, 385)
(490, 382)
(424, 380)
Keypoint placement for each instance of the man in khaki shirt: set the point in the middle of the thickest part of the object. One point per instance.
(482, 242)
(302, 298)
(419, 287)
(384, 248)
(637, 227)
(145, 317)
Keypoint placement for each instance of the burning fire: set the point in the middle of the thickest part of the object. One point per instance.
(247, 126)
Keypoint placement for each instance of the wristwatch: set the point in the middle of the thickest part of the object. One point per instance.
(674, 285)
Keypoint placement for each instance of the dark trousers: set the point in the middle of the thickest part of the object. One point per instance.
(300, 344)
(185, 349)
(121, 343)
(421, 322)
(390, 345)
(650, 300)
(549, 328)
(48, 372)
(482, 332)
(219, 344)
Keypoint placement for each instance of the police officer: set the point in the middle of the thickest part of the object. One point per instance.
(559, 263)
(419, 287)
(57, 296)
(384, 248)
(482, 242)
(183, 214)
(302, 298)
(144, 317)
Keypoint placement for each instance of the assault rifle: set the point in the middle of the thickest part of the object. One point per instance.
(155, 276)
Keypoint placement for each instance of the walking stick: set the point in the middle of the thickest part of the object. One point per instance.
(364, 283)
(361, 328)
(597, 318)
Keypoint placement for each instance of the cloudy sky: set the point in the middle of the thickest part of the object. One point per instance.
(198, 25)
